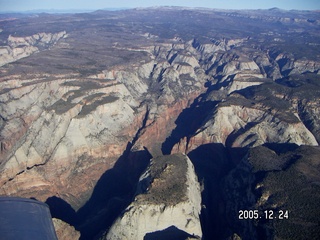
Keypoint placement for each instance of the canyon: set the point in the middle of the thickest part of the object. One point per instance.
(90, 103)
(168, 197)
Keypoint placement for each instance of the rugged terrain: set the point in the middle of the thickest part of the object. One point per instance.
(290, 183)
(87, 100)
(168, 199)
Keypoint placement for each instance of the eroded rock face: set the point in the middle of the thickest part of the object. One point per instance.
(281, 180)
(21, 47)
(64, 231)
(168, 195)
(63, 110)
(87, 118)
(113, 85)
(250, 126)
(258, 115)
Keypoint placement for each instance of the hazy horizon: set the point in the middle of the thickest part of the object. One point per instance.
(80, 5)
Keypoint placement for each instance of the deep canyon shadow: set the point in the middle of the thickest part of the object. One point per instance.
(212, 164)
(188, 122)
(111, 195)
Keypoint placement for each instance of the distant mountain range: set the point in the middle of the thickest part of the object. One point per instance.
(131, 123)
(61, 10)
(275, 9)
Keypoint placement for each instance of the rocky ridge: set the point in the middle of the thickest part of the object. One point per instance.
(295, 190)
(256, 116)
(168, 196)
(21, 47)
(64, 231)
(67, 106)
(109, 102)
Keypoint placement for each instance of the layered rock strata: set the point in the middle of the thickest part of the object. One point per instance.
(260, 114)
(21, 47)
(73, 106)
(168, 196)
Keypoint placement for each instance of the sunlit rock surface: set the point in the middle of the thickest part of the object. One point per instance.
(86, 100)
(21, 47)
(64, 231)
(168, 195)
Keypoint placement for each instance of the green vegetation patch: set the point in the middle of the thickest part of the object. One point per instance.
(268, 97)
(297, 190)
(84, 85)
(168, 180)
(87, 109)
(60, 107)
(300, 50)
(262, 158)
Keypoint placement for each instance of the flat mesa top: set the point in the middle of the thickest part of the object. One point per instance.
(168, 180)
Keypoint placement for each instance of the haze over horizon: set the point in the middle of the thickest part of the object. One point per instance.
(30, 5)
(138, 120)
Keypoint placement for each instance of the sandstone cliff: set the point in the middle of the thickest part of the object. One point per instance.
(168, 196)
(88, 118)
(92, 105)
(246, 118)
(64, 231)
(21, 47)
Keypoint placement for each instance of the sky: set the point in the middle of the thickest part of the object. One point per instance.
(26, 5)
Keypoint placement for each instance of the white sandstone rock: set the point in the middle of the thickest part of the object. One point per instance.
(157, 209)
(21, 47)
(266, 128)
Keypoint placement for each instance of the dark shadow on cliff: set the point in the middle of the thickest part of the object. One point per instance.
(192, 119)
(285, 180)
(62, 210)
(188, 122)
(212, 163)
(280, 148)
(232, 137)
(170, 233)
(111, 195)
(220, 171)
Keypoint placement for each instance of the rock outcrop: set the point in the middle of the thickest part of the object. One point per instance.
(257, 115)
(21, 47)
(168, 197)
(63, 110)
(106, 90)
(64, 231)
(87, 118)
(277, 179)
